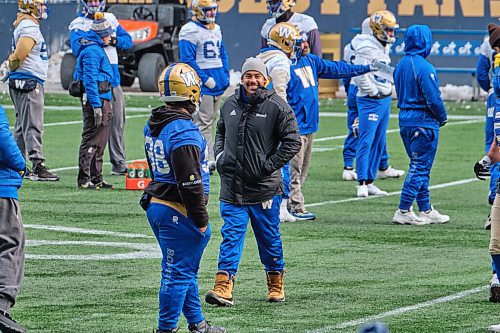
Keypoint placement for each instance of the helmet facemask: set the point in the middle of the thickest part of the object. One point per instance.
(90, 7)
(276, 8)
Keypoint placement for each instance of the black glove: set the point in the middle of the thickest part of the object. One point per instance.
(482, 168)
(441, 124)
(97, 117)
(113, 41)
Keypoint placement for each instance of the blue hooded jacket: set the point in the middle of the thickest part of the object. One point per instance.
(92, 67)
(416, 83)
(11, 161)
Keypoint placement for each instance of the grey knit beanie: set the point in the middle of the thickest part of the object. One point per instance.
(254, 64)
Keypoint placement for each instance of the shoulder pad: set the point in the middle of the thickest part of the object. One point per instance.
(264, 31)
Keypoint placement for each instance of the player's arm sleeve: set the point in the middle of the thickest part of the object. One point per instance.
(362, 81)
(91, 63)
(280, 78)
(315, 42)
(337, 69)
(220, 137)
(187, 51)
(224, 58)
(10, 155)
(187, 170)
(124, 40)
(74, 36)
(23, 48)
(429, 86)
(288, 134)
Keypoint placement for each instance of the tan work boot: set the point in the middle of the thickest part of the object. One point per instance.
(275, 286)
(222, 293)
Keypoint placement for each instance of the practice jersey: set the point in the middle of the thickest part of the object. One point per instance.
(203, 49)
(36, 64)
(367, 51)
(278, 68)
(175, 134)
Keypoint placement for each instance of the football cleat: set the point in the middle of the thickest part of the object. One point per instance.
(434, 217)
(285, 215)
(88, 186)
(9, 325)
(105, 185)
(173, 330)
(494, 289)
(374, 190)
(390, 172)
(222, 293)
(303, 215)
(349, 175)
(205, 327)
(408, 217)
(362, 191)
(40, 173)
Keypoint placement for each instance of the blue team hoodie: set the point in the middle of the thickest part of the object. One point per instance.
(11, 161)
(92, 67)
(124, 41)
(416, 83)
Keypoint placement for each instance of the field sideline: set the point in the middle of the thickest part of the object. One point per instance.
(93, 264)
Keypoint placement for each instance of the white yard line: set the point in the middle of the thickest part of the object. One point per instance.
(85, 231)
(396, 130)
(331, 202)
(399, 311)
(79, 108)
(76, 122)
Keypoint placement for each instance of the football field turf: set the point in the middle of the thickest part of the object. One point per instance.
(93, 264)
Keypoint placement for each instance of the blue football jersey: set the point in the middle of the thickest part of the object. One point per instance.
(176, 134)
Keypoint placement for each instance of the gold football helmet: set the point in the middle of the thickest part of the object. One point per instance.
(382, 22)
(286, 37)
(178, 83)
(277, 7)
(200, 9)
(36, 8)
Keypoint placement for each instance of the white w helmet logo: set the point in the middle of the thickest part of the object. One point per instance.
(285, 32)
(189, 79)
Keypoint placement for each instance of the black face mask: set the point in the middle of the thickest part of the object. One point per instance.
(257, 97)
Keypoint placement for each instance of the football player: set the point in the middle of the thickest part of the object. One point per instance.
(373, 100)
(303, 97)
(120, 39)
(281, 11)
(351, 141)
(201, 46)
(176, 199)
(284, 45)
(26, 69)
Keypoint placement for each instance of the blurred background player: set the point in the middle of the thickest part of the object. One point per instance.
(281, 11)
(27, 68)
(421, 114)
(303, 97)
(119, 39)
(351, 141)
(178, 193)
(256, 135)
(283, 46)
(12, 169)
(373, 100)
(94, 71)
(201, 47)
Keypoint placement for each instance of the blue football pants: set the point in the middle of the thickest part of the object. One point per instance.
(351, 143)
(421, 146)
(182, 245)
(285, 174)
(373, 121)
(264, 218)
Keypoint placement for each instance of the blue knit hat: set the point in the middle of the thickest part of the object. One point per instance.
(101, 26)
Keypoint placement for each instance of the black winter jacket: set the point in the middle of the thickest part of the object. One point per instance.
(253, 141)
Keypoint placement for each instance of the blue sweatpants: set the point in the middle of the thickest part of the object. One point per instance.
(421, 146)
(182, 245)
(495, 176)
(489, 126)
(266, 227)
(285, 174)
(373, 122)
